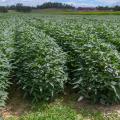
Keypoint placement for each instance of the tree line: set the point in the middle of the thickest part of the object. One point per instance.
(115, 8)
(55, 5)
(21, 8)
(18, 7)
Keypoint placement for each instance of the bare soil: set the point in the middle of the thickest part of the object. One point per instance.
(17, 105)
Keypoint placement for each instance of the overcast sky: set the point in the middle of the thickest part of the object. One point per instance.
(72, 2)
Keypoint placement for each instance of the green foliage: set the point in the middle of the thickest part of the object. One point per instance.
(20, 8)
(109, 34)
(88, 13)
(55, 5)
(40, 64)
(3, 9)
(97, 74)
(92, 45)
(93, 57)
(6, 52)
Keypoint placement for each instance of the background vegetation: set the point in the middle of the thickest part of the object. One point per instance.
(19, 7)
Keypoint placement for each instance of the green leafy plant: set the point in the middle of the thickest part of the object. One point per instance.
(40, 64)
(6, 53)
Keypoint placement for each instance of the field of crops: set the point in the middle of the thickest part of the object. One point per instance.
(43, 54)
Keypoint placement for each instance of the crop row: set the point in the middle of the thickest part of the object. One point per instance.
(33, 59)
(40, 64)
(6, 54)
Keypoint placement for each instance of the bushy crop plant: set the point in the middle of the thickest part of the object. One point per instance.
(6, 54)
(98, 75)
(40, 64)
(109, 32)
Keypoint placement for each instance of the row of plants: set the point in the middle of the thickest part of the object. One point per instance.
(40, 64)
(93, 64)
(6, 55)
(109, 34)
